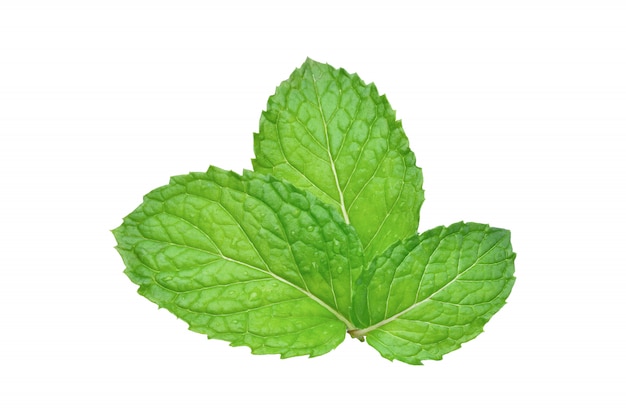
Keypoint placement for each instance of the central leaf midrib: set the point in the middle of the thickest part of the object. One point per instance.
(331, 160)
(306, 292)
(219, 254)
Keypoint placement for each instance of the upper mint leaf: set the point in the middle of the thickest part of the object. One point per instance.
(328, 132)
(247, 259)
(427, 295)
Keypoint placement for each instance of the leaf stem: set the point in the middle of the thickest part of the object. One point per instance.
(357, 333)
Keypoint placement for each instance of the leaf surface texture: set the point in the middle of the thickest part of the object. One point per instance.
(328, 132)
(321, 239)
(251, 260)
(427, 295)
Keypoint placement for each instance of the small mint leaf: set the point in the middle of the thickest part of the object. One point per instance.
(429, 294)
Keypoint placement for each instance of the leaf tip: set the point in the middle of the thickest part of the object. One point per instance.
(311, 62)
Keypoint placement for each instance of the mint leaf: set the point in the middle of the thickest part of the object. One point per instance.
(247, 259)
(328, 132)
(427, 295)
(320, 240)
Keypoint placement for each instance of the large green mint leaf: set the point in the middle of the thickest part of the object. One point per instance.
(429, 294)
(247, 259)
(328, 132)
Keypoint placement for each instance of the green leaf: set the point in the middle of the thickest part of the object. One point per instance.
(247, 259)
(328, 132)
(320, 239)
(429, 294)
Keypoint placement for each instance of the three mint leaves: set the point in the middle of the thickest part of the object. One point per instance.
(320, 240)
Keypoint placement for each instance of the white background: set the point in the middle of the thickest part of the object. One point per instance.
(516, 111)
